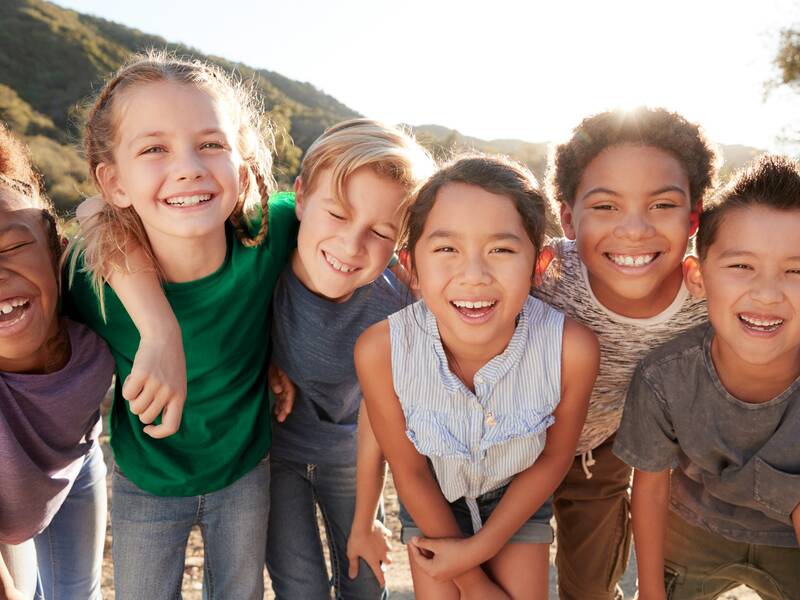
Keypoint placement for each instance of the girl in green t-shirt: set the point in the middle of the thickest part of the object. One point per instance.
(182, 161)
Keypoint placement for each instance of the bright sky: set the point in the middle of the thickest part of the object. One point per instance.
(503, 68)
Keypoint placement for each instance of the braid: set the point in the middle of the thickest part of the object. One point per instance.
(242, 233)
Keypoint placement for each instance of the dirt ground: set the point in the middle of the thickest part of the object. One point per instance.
(398, 577)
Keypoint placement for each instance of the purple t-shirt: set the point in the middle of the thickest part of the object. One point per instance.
(48, 423)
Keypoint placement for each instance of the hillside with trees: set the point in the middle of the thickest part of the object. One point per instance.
(52, 60)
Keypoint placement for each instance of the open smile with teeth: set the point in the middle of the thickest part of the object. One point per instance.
(338, 265)
(193, 200)
(763, 324)
(632, 260)
(474, 309)
(12, 309)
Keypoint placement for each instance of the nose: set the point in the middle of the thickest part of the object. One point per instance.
(476, 269)
(352, 239)
(766, 289)
(634, 225)
(189, 167)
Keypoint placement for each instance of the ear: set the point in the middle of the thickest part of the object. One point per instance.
(545, 258)
(693, 277)
(107, 176)
(298, 198)
(566, 221)
(694, 221)
(405, 261)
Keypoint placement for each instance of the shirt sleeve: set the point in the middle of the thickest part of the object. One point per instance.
(646, 437)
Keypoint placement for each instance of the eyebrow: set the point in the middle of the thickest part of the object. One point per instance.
(446, 234)
(153, 134)
(661, 190)
(735, 252)
(18, 227)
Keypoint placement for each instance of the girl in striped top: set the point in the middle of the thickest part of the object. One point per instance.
(478, 392)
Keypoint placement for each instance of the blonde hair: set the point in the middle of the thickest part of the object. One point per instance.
(350, 145)
(104, 237)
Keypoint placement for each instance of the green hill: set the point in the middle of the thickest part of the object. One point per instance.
(52, 60)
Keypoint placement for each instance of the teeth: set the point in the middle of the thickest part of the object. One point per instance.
(475, 304)
(339, 266)
(188, 200)
(627, 260)
(761, 322)
(8, 305)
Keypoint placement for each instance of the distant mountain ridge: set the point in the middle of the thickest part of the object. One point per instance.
(53, 59)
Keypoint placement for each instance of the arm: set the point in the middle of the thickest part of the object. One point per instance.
(369, 538)
(649, 507)
(415, 483)
(7, 589)
(533, 486)
(796, 522)
(157, 383)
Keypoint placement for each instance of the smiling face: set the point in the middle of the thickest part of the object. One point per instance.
(342, 246)
(175, 162)
(28, 286)
(751, 279)
(473, 265)
(631, 220)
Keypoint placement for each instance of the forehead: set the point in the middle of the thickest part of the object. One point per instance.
(758, 230)
(633, 167)
(169, 107)
(461, 207)
(366, 193)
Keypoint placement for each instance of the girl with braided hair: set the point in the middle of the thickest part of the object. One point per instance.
(182, 161)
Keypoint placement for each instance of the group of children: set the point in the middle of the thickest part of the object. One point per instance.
(384, 278)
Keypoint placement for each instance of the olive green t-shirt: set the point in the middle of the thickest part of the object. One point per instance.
(225, 430)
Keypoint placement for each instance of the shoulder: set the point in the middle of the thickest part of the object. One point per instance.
(374, 346)
(580, 349)
(686, 345)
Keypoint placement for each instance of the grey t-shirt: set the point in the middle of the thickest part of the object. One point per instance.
(736, 464)
(623, 341)
(48, 423)
(313, 341)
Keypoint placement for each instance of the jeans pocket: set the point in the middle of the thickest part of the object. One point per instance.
(673, 575)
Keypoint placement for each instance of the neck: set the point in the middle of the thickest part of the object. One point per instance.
(640, 308)
(465, 360)
(753, 383)
(189, 259)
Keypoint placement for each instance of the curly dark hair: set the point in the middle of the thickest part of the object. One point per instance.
(770, 181)
(642, 126)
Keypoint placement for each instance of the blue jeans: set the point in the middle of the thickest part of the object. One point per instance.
(64, 561)
(294, 548)
(150, 534)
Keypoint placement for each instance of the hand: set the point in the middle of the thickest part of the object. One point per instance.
(284, 391)
(11, 594)
(443, 559)
(157, 384)
(373, 546)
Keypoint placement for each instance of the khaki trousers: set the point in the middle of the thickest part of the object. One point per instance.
(593, 529)
(700, 565)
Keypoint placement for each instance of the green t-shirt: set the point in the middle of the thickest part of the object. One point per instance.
(224, 319)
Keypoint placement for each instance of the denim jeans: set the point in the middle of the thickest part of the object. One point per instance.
(294, 549)
(150, 534)
(64, 561)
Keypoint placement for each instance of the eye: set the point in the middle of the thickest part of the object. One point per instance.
(213, 146)
(605, 206)
(381, 236)
(501, 251)
(740, 266)
(153, 150)
(794, 271)
(336, 216)
(14, 246)
(665, 204)
(445, 249)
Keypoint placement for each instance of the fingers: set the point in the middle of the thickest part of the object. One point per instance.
(134, 385)
(170, 421)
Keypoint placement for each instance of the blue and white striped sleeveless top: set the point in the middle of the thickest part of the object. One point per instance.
(478, 441)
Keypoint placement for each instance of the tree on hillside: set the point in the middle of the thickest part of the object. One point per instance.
(787, 61)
